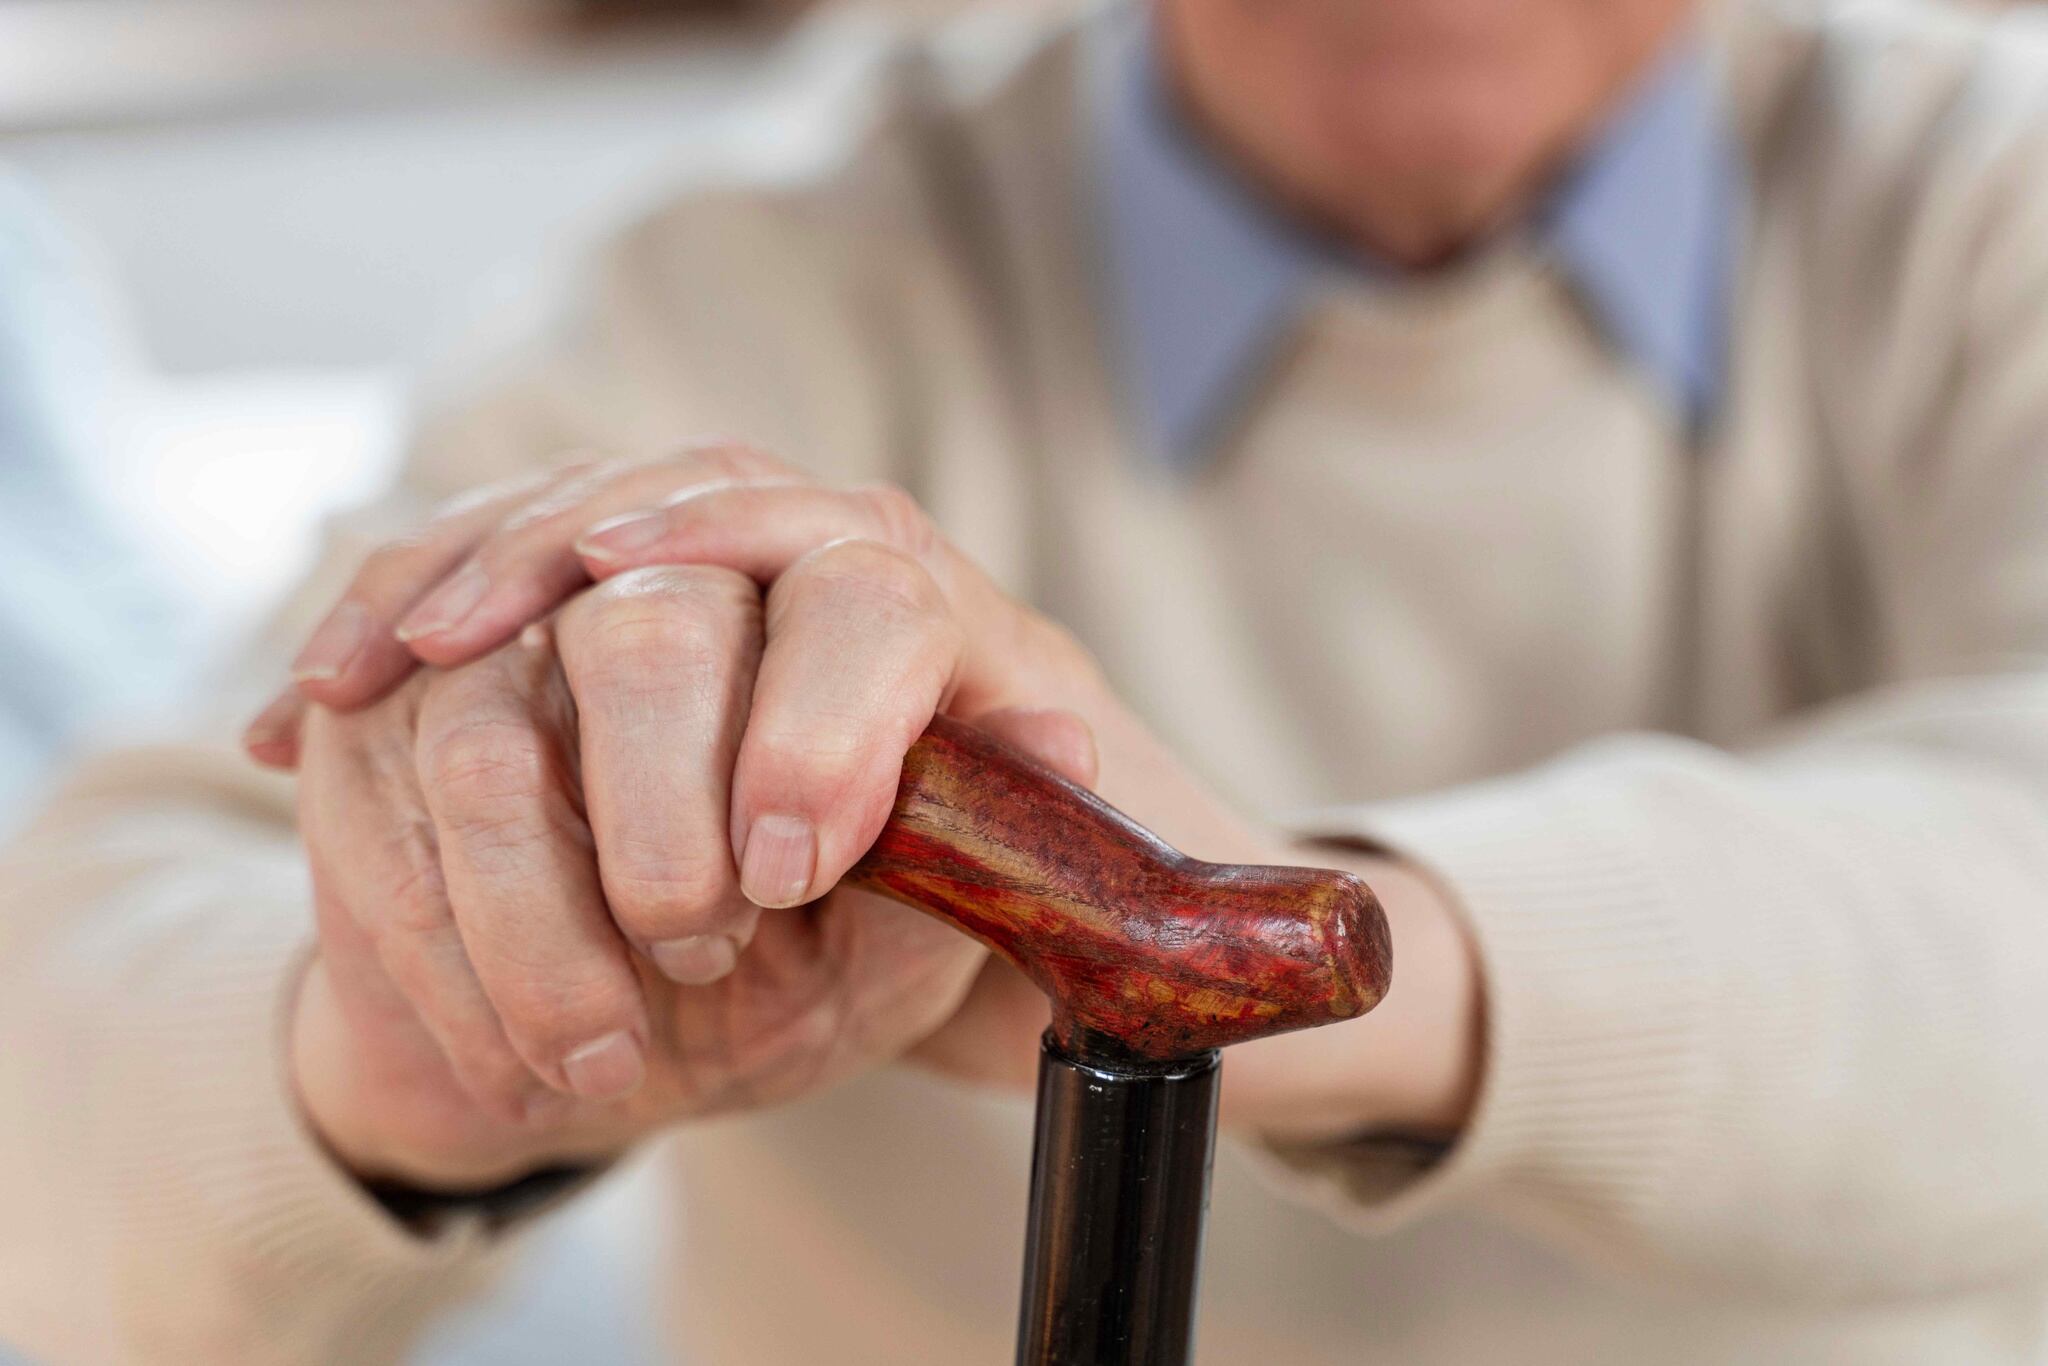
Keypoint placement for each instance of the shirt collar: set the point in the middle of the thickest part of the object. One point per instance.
(1205, 277)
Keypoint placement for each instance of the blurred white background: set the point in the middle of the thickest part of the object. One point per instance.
(304, 207)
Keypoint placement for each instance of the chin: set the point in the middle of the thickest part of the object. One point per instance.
(1480, 134)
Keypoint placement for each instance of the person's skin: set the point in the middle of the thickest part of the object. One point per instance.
(575, 880)
(548, 925)
(1411, 127)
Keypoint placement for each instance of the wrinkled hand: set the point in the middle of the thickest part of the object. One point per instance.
(541, 867)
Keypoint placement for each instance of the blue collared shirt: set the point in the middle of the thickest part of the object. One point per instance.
(1205, 276)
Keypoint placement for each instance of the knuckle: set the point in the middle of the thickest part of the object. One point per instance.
(487, 762)
(547, 1015)
(874, 574)
(524, 519)
(1049, 640)
(817, 765)
(640, 642)
(395, 565)
(570, 491)
(417, 964)
(901, 518)
(502, 843)
(650, 620)
(413, 900)
(728, 459)
(414, 908)
(650, 884)
(679, 582)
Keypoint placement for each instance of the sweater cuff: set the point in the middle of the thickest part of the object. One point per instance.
(1596, 1008)
(307, 1250)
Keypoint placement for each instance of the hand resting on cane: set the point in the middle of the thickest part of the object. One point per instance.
(577, 881)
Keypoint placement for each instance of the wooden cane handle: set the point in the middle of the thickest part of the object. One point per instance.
(1140, 948)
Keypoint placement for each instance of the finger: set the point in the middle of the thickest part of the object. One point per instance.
(1013, 656)
(497, 752)
(758, 529)
(394, 1051)
(372, 851)
(860, 653)
(661, 662)
(528, 566)
(352, 658)
(272, 738)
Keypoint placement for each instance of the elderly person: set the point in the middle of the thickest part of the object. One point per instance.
(1582, 467)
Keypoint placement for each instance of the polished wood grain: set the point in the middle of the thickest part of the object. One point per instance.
(1141, 949)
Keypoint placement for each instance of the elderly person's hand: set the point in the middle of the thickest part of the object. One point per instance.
(542, 866)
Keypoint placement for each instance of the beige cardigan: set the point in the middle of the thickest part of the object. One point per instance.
(1768, 1057)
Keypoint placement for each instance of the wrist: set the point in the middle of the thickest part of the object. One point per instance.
(1411, 1066)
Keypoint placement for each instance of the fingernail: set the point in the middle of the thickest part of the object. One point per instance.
(333, 645)
(776, 866)
(620, 536)
(606, 1068)
(696, 960)
(447, 606)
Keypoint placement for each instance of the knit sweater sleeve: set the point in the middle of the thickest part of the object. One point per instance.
(160, 1198)
(1778, 1016)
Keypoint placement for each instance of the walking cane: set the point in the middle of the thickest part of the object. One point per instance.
(1153, 962)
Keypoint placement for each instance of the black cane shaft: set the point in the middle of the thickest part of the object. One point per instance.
(1119, 1192)
(1151, 961)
